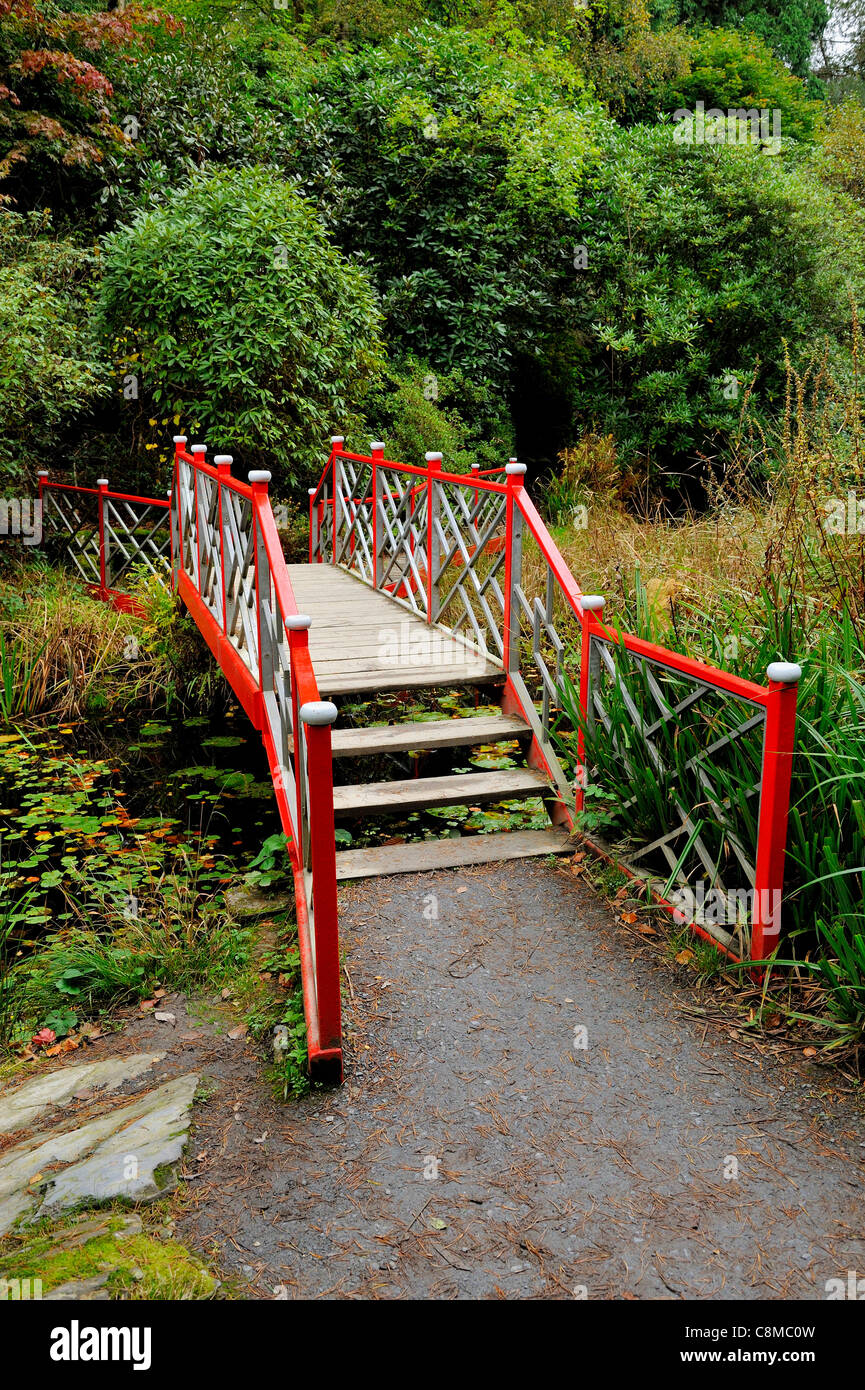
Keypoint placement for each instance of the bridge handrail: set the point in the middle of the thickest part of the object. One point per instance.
(443, 543)
(239, 591)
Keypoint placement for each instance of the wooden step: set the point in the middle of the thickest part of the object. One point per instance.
(460, 788)
(450, 854)
(427, 733)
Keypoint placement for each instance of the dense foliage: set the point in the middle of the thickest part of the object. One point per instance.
(234, 311)
(51, 364)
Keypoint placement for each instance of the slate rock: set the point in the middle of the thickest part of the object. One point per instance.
(26, 1103)
(115, 1155)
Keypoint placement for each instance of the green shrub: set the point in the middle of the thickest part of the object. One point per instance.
(50, 364)
(417, 409)
(841, 154)
(729, 68)
(241, 316)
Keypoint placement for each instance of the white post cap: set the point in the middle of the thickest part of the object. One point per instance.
(432, 456)
(786, 672)
(295, 622)
(259, 475)
(223, 458)
(318, 712)
(312, 491)
(43, 473)
(337, 439)
(514, 468)
(592, 603)
(179, 438)
(476, 467)
(198, 449)
(376, 444)
(101, 482)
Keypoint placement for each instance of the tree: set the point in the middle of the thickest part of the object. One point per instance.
(729, 69)
(790, 27)
(55, 111)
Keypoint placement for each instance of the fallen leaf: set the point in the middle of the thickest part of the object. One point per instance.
(629, 917)
(43, 1038)
(239, 1032)
(645, 930)
(437, 1223)
(684, 957)
(146, 1005)
(809, 1052)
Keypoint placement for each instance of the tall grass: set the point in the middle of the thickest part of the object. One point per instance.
(65, 654)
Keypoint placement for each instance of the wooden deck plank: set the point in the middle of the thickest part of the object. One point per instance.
(352, 635)
(449, 854)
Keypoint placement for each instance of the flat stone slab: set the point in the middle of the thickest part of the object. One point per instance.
(115, 1155)
(21, 1107)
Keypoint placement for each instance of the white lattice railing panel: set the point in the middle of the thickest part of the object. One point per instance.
(353, 518)
(136, 535)
(73, 516)
(469, 531)
(401, 538)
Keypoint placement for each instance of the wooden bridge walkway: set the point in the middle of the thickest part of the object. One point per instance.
(420, 580)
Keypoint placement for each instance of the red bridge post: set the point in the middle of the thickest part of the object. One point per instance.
(102, 485)
(778, 743)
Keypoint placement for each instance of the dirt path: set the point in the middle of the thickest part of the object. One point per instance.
(558, 1168)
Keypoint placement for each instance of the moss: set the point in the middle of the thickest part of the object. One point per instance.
(143, 1264)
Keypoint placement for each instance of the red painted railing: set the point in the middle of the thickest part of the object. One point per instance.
(230, 571)
(382, 520)
(107, 534)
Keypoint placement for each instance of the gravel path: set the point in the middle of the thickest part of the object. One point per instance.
(476, 1151)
